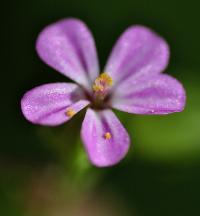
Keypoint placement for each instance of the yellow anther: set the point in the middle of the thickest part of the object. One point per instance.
(97, 88)
(106, 78)
(70, 112)
(107, 135)
(102, 83)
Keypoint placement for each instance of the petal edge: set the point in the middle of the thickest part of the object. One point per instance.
(47, 104)
(68, 46)
(138, 52)
(159, 94)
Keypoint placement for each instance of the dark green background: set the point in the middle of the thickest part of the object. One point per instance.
(161, 174)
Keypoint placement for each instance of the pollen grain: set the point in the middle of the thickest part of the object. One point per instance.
(107, 136)
(102, 83)
(70, 112)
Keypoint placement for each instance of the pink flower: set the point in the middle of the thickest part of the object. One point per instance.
(131, 82)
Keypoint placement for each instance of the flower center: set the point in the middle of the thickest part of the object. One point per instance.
(102, 85)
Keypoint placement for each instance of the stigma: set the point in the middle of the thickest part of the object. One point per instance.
(70, 112)
(102, 84)
(107, 136)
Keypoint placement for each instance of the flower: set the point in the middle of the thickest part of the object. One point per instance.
(131, 82)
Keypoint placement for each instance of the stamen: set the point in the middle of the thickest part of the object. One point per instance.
(70, 112)
(102, 84)
(106, 78)
(107, 136)
(97, 88)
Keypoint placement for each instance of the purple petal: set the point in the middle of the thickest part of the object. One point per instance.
(139, 51)
(47, 104)
(104, 151)
(159, 94)
(68, 47)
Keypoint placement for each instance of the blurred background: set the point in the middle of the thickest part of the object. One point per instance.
(44, 171)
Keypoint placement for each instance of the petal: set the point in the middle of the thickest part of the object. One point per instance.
(101, 151)
(68, 47)
(159, 94)
(47, 104)
(139, 51)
